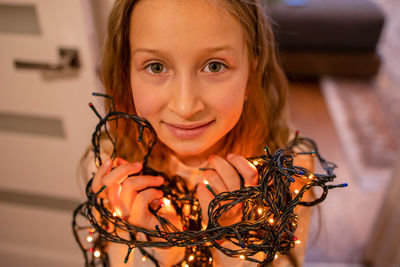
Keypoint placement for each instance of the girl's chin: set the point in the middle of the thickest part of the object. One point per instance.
(191, 155)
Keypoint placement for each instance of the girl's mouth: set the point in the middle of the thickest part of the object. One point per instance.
(188, 131)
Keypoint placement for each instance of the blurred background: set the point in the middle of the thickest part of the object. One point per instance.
(342, 59)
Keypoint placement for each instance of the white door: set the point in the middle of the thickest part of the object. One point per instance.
(45, 126)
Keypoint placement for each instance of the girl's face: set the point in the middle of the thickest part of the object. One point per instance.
(189, 71)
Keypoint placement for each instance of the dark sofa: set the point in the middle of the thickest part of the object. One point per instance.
(327, 37)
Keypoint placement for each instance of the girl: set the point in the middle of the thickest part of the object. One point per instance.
(205, 75)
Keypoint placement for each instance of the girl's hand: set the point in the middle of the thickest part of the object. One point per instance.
(130, 196)
(226, 178)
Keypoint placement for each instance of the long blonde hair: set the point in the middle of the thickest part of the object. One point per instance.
(264, 119)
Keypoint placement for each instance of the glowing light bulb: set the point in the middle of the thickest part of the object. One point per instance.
(117, 213)
(144, 258)
(296, 191)
(210, 259)
(191, 257)
(255, 162)
(311, 176)
(166, 201)
(242, 257)
(97, 254)
(297, 241)
(89, 239)
(276, 256)
(205, 182)
(186, 265)
(260, 210)
(271, 221)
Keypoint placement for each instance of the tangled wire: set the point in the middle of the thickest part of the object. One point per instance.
(268, 222)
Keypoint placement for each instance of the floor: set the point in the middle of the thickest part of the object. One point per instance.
(341, 227)
(326, 246)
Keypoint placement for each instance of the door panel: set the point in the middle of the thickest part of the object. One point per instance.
(49, 164)
(45, 126)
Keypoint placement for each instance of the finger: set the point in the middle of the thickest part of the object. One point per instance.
(113, 191)
(205, 197)
(114, 179)
(144, 197)
(245, 168)
(119, 162)
(215, 181)
(226, 171)
(131, 186)
(139, 208)
(120, 173)
(104, 169)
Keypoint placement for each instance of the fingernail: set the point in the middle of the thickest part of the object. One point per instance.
(230, 156)
(137, 164)
(107, 163)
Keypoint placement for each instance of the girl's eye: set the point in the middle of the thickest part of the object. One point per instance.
(155, 68)
(214, 67)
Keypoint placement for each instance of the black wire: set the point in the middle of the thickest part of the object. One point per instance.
(256, 232)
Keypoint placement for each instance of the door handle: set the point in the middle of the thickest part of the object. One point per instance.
(69, 59)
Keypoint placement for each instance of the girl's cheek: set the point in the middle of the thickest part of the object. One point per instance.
(228, 95)
(147, 103)
(148, 94)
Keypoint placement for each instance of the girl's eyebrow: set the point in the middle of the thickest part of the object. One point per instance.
(205, 50)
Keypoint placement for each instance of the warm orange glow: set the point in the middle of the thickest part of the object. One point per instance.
(260, 210)
(166, 201)
(191, 257)
(97, 254)
(296, 191)
(242, 257)
(89, 239)
(297, 241)
(117, 213)
(271, 221)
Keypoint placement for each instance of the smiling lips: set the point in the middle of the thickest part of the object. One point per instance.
(191, 131)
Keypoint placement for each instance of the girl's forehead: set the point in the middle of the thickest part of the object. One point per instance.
(182, 23)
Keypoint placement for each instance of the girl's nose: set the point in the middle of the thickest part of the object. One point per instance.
(185, 98)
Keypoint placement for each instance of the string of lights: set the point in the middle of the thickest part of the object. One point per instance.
(268, 221)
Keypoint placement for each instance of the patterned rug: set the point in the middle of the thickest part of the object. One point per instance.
(366, 117)
(367, 112)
